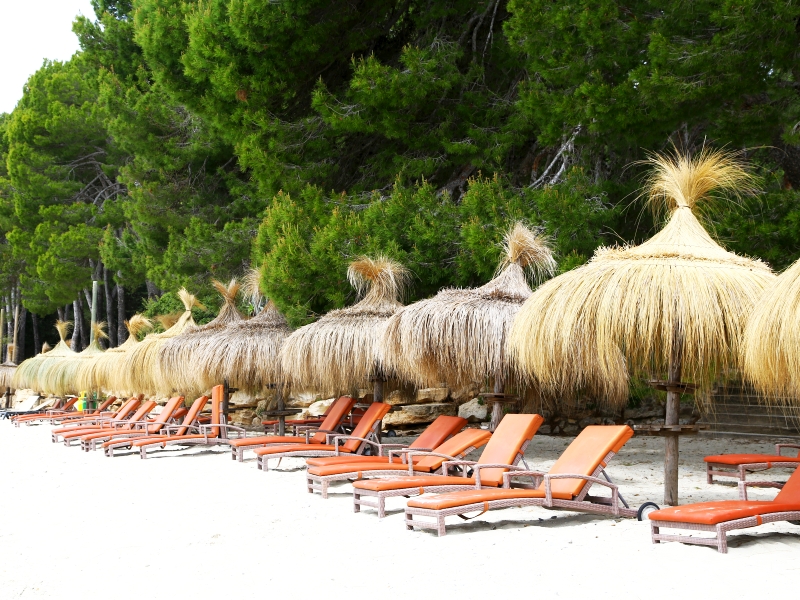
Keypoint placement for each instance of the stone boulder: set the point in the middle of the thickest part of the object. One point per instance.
(418, 413)
(318, 408)
(474, 411)
(302, 399)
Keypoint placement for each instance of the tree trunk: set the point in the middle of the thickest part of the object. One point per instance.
(17, 315)
(122, 332)
(110, 319)
(19, 351)
(152, 289)
(93, 309)
(672, 417)
(61, 314)
(37, 347)
(3, 358)
(77, 329)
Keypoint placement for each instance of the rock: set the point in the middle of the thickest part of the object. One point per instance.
(399, 397)
(302, 399)
(432, 395)
(474, 411)
(589, 421)
(242, 418)
(418, 413)
(318, 408)
(464, 394)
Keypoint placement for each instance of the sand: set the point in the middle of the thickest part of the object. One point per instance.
(193, 523)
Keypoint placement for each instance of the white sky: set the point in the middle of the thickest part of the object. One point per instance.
(30, 31)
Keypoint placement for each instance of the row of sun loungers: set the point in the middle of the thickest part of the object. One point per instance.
(432, 471)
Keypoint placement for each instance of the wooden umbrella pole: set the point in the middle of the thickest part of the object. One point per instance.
(497, 407)
(281, 408)
(671, 418)
(377, 389)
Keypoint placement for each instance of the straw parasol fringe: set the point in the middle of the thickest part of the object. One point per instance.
(7, 370)
(106, 371)
(770, 358)
(459, 336)
(639, 305)
(246, 353)
(340, 352)
(141, 362)
(62, 378)
(31, 372)
(179, 365)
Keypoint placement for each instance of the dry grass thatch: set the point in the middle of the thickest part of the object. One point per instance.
(62, 377)
(106, 372)
(7, 370)
(179, 366)
(770, 356)
(339, 352)
(459, 336)
(31, 372)
(625, 308)
(246, 353)
(141, 361)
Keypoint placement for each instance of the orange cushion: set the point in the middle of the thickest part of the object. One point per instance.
(454, 499)
(744, 459)
(326, 461)
(268, 439)
(712, 513)
(402, 483)
(506, 442)
(272, 449)
(342, 468)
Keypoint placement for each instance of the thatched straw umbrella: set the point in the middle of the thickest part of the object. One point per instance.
(62, 377)
(246, 353)
(141, 362)
(106, 372)
(675, 305)
(31, 372)
(459, 336)
(340, 352)
(771, 343)
(180, 365)
(7, 370)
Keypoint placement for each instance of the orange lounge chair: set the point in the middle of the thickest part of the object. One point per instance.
(271, 425)
(504, 451)
(190, 418)
(339, 410)
(727, 515)
(96, 423)
(366, 432)
(342, 467)
(145, 427)
(738, 465)
(83, 414)
(210, 434)
(565, 486)
(114, 425)
(46, 414)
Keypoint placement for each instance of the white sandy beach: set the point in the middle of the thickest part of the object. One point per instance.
(193, 523)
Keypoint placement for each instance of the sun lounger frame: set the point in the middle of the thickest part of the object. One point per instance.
(380, 496)
(583, 502)
(720, 530)
(308, 450)
(740, 471)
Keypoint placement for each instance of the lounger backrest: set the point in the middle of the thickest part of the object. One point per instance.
(217, 396)
(127, 408)
(338, 411)
(191, 416)
(143, 411)
(106, 403)
(166, 414)
(790, 493)
(437, 432)
(585, 454)
(375, 412)
(513, 432)
(453, 447)
(69, 404)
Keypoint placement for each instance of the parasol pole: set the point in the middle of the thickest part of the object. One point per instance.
(671, 418)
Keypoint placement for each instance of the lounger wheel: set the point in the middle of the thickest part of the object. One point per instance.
(645, 509)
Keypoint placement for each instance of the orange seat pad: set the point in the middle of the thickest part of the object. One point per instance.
(268, 439)
(168, 438)
(744, 459)
(356, 467)
(402, 483)
(466, 497)
(712, 513)
(271, 449)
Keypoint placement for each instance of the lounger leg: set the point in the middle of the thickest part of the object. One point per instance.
(742, 473)
(309, 485)
(654, 531)
(381, 506)
(709, 475)
(356, 502)
(142, 452)
(440, 529)
(324, 489)
(722, 540)
(409, 521)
